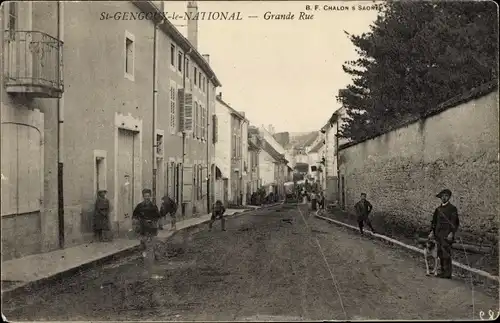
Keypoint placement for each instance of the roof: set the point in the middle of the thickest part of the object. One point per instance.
(231, 110)
(181, 41)
(317, 146)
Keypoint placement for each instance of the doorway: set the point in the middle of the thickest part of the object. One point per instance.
(126, 178)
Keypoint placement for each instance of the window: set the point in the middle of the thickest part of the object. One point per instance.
(129, 55)
(234, 145)
(179, 61)
(203, 84)
(186, 68)
(199, 78)
(195, 76)
(12, 22)
(173, 110)
(172, 54)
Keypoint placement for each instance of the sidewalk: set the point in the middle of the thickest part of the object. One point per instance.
(413, 249)
(34, 270)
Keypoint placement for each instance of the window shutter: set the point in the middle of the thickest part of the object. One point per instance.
(204, 123)
(187, 184)
(214, 128)
(188, 113)
(199, 120)
(195, 119)
(181, 98)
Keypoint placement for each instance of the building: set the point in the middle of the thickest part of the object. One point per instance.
(272, 162)
(231, 153)
(329, 160)
(253, 177)
(141, 118)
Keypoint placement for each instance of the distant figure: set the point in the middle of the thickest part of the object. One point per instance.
(218, 213)
(363, 209)
(445, 223)
(314, 201)
(101, 215)
(147, 216)
(168, 206)
(322, 200)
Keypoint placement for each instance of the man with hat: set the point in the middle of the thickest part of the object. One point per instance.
(444, 226)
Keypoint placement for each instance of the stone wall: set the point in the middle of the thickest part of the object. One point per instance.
(402, 170)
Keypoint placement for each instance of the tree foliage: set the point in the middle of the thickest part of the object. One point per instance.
(417, 55)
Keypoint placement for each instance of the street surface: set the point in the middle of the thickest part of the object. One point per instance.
(279, 264)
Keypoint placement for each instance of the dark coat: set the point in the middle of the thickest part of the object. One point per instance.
(168, 207)
(445, 220)
(218, 210)
(101, 214)
(147, 215)
(363, 209)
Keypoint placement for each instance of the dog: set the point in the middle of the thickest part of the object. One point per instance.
(430, 250)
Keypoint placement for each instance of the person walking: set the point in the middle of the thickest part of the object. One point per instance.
(168, 206)
(101, 216)
(444, 226)
(218, 213)
(363, 209)
(146, 214)
(321, 200)
(314, 201)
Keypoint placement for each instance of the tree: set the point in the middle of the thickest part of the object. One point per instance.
(416, 56)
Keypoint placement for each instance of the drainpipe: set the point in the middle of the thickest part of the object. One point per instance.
(60, 134)
(337, 159)
(183, 206)
(155, 107)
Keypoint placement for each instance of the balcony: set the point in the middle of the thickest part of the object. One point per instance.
(33, 65)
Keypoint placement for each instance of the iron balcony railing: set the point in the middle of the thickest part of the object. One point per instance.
(34, 59)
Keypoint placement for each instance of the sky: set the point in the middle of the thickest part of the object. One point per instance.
(280, 72)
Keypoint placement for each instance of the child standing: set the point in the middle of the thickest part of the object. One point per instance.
(218, 213)
(101, 215)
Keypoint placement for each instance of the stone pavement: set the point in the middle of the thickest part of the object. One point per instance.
(21, 272)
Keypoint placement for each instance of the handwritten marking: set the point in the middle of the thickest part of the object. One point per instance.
(492, 316)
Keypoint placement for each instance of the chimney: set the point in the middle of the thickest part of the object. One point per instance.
(207, 58)
(242, 113)
(192, 25)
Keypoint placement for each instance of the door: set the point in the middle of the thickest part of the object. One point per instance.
(226, 191)
(126, 177)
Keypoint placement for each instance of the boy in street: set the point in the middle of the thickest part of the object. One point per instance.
(363, 209)
(444, 226)
(218, 213)
(147, 215)
(168, 206)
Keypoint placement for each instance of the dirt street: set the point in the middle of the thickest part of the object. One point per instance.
(280, 264)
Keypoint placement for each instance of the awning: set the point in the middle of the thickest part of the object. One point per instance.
(219, 173)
